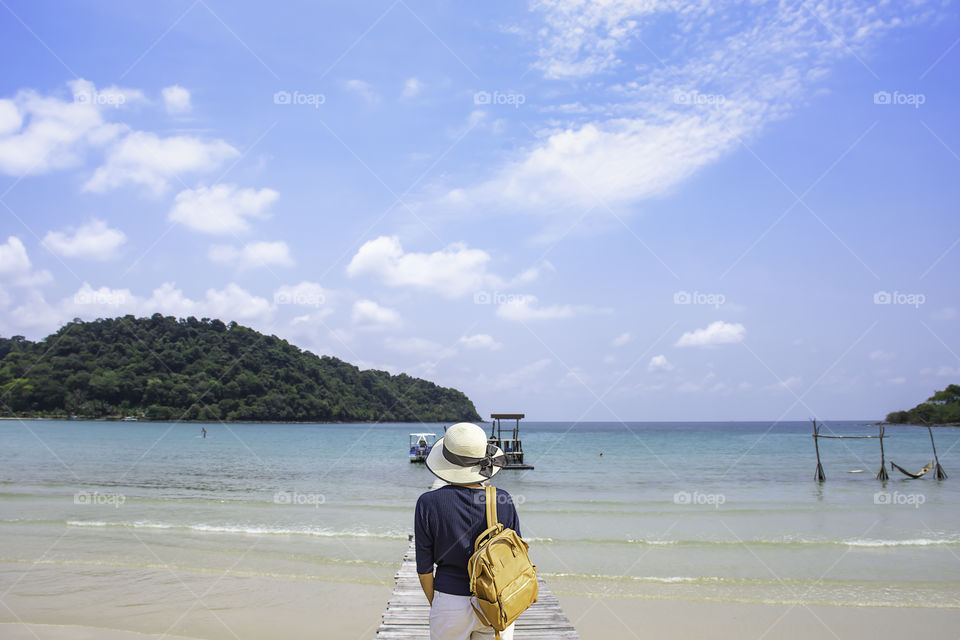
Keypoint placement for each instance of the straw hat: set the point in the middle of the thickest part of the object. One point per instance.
(462, 455)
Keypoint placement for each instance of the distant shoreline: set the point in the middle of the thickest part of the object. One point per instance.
(114, 419)
(450, 421)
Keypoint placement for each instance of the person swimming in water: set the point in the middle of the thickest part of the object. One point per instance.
(204, 430)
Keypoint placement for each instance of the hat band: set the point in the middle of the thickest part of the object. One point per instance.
(487, 463)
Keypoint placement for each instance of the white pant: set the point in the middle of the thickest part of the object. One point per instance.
(453, 618)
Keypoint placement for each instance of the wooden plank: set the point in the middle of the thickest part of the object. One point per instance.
(407, 616)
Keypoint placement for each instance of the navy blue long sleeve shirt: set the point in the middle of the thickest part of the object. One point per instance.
(446, 524)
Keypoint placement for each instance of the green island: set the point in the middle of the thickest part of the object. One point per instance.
(942, 408)
(164, 368)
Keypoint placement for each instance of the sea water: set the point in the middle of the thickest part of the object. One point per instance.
(700, 511)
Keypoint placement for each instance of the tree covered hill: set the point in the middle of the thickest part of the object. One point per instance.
(163, 368)
(943, 407)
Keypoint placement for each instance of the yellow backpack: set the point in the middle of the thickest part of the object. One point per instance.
(502, 578)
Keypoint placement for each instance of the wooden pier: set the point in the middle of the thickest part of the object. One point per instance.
(407, 616)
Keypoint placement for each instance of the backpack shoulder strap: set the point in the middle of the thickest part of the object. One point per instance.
(491, 500)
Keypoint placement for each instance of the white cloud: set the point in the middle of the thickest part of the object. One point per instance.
(13, 257)
(94, 240)
(16, 268)
(947, 313)
(715, 333)
(235, 303)
(39, 134)
(367, 314)
(881, 356)
(222, 209)
(176, 99)
(897, 380)
(621, 339)
(948, 372)
(419, 347)
(659, 363)
(363, 89)
(146, 159)
(688, 387)
(412, 87)
(253, 255)
(720, 77)
(453, 271)
(524, 309)
(38, 317)
(480, 341)
(10, 118)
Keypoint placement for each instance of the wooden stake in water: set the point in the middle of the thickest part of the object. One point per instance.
(882, 474)
(939, 473)
(819, 476)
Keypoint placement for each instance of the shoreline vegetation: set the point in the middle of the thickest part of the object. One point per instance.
(942, 409)
(166, 369)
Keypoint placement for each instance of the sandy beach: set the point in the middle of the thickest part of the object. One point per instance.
(348, 611)
(628, 619)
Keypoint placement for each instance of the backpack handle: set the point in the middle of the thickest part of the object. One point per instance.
(488, 532)
(493, 527)
(491, 503)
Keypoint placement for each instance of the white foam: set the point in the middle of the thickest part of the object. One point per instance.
(238, 529)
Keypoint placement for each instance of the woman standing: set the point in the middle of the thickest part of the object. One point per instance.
(446, 524)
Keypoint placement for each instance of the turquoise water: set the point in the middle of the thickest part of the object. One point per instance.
(699, 511)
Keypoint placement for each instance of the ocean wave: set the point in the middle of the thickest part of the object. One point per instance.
(784, 542)
(239, 529)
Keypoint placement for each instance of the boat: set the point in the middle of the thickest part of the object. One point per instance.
(129, 419)
(420, 445)
(512, 446)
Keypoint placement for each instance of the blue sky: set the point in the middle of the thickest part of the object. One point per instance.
(579, 210)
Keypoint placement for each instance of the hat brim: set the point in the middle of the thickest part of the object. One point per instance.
(453, 473)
